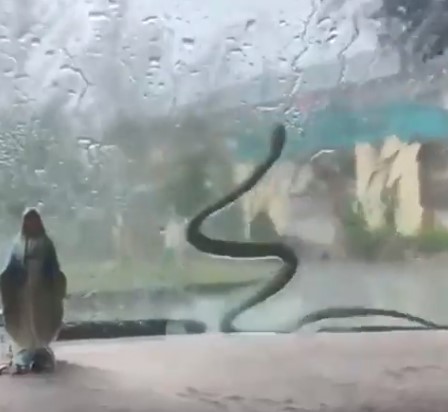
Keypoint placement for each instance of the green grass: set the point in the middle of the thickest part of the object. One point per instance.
(386, 241)
(113, 276)
(429, 242)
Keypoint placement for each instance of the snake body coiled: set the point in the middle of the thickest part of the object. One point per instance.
(247, 250)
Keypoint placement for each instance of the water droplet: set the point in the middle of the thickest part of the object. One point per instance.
(154, 61)
(332, 36)
(236, 50)
(250, 24)
(266, 108)
(35, 41)
(188, 42)
(149, 19)
(8, 65)
(98, 15)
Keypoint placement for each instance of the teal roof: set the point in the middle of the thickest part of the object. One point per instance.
(343, 127)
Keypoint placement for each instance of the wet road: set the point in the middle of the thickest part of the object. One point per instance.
(418, 288)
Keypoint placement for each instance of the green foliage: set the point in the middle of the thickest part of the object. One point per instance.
(37, 165)
(186, 190)
(430, 242)
(370, 245)
(196, 180)
(362, 242)
(143, 274)
(228, 224)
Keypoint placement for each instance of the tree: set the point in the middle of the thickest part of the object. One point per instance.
(186, 190)
(415, 27)
(196, 179)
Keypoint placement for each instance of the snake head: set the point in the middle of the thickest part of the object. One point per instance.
(278, 138)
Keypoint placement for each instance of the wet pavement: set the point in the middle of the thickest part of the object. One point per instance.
(417, 287)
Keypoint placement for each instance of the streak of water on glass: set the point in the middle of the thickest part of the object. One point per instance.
(148, 111)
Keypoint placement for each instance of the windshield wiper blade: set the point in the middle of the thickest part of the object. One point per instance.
(360, 311)
(375, 328)
(128, 328)
(160, 327)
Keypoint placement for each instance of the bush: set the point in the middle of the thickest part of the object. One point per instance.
(362, 242)
(198, 180)
(371, 245)
(430, 242)
(186, 189)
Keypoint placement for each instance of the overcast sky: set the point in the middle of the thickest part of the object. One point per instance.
(276, 23)
(249, 34)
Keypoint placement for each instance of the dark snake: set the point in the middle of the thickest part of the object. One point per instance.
(251, 250)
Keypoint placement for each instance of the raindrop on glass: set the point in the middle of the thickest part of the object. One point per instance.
(35, 41)
(250, 24)
(149, 19)
(188, 43)
(98, 15)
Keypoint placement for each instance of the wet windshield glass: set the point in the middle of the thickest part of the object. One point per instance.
(121, 120)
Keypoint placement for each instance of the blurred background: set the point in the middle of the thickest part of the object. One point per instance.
(120, 119)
